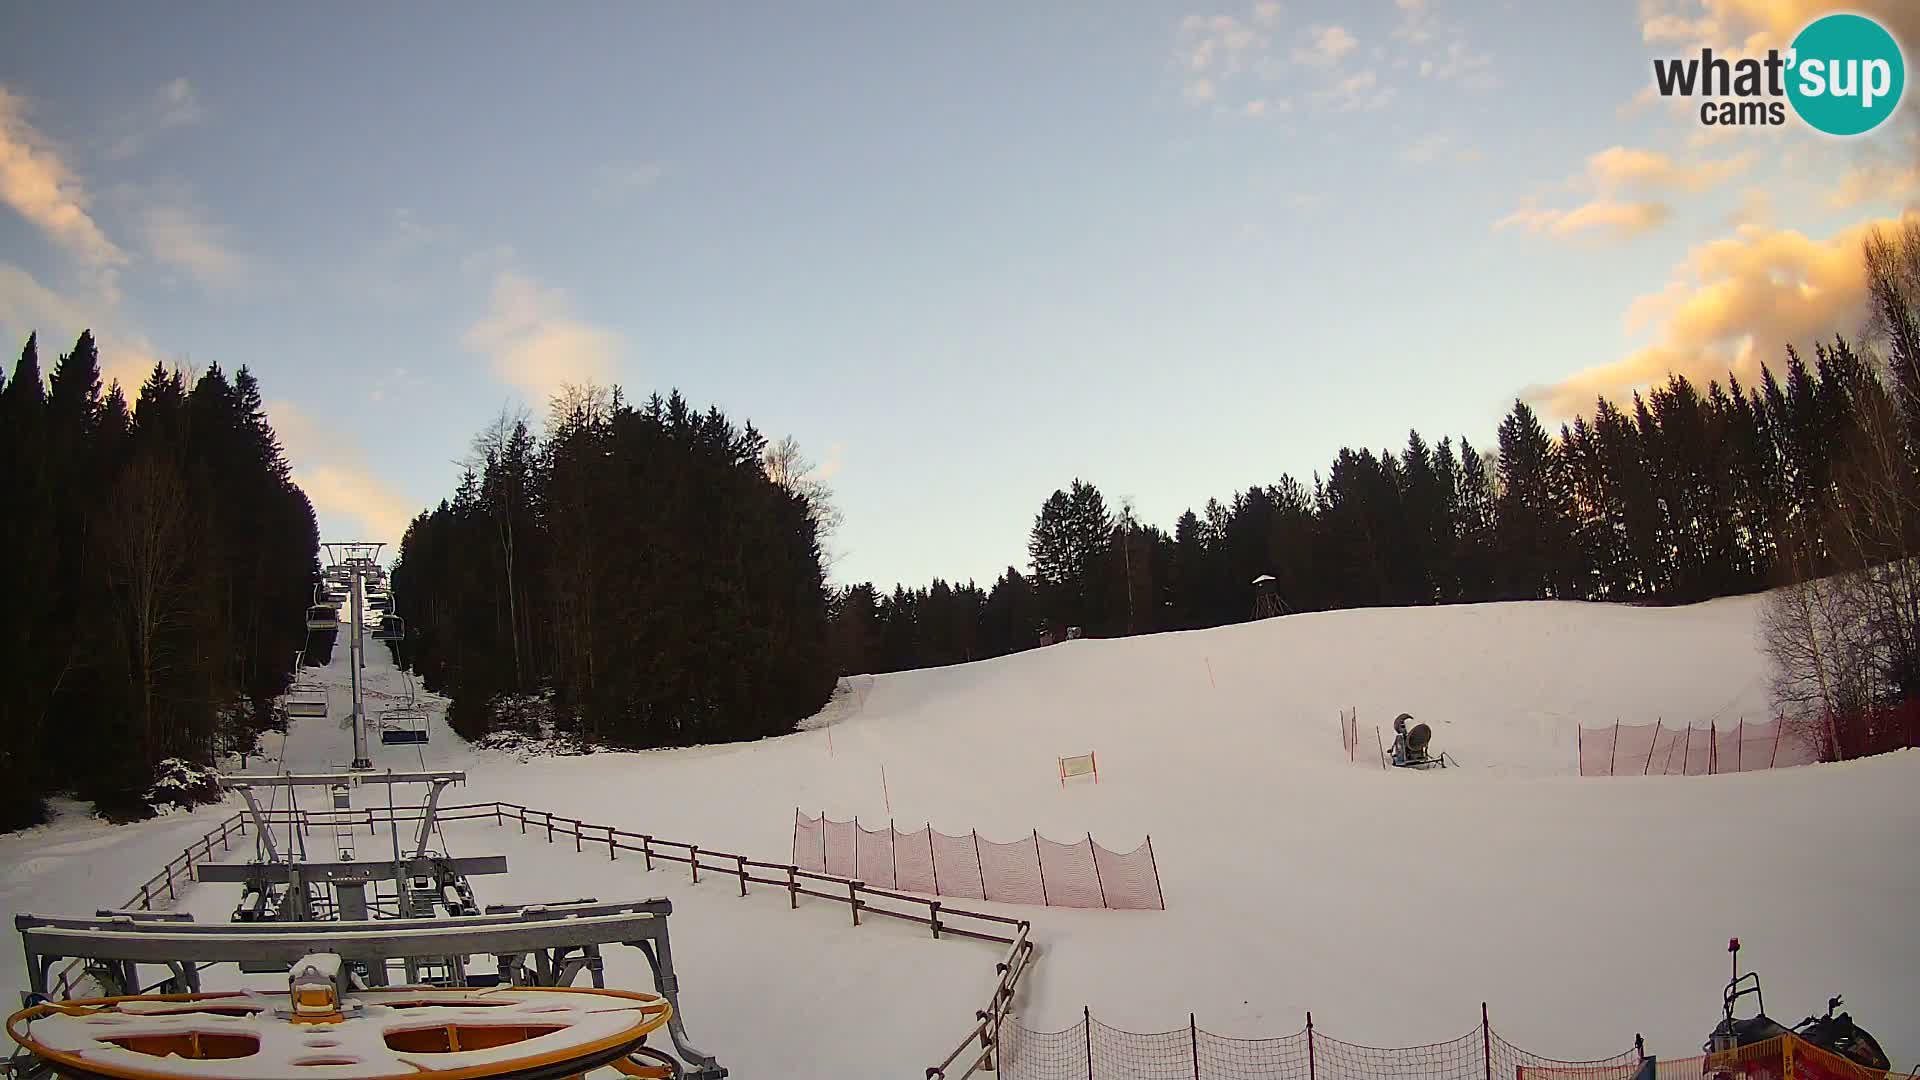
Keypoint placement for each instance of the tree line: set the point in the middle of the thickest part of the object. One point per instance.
(158, 560)
(1680, 494)
(652, 572)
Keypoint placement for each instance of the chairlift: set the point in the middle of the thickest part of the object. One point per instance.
(307, 700)
(323, 617)
(403, 725)
(391, 627)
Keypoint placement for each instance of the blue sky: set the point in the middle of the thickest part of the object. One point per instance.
(963, 253)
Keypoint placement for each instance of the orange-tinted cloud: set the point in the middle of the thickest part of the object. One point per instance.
(335, 474)
(36, 182)
(537, 344)
(1732, 305)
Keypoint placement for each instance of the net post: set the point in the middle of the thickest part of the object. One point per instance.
(1613, 755)
(1486, 1040)
(1086, 1025)
(1312, 1073)
(1094, 854)
(1093, 761)
(1041, 866)
(1778, 726)
(796, 836)
(931, 861)
(1647, 769)
(981, 869)
(1151, 861)
(893, 851)
(1193, 1040)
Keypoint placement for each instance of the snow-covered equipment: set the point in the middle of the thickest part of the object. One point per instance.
(1757, 1047)
(1412, 746)
(519, 1021)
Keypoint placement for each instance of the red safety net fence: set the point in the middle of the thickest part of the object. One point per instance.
(1662, 749)
(1032, 870)
(1091, 1049)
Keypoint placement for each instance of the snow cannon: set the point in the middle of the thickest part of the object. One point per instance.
(1412, 746)
(1757, 1047)
(384, 1033)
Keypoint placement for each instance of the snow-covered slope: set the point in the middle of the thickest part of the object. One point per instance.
(1582, 909)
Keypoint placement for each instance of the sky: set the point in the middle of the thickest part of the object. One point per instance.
(964, 254)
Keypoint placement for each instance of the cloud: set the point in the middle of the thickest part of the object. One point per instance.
(1443, 49)
(1325, 46)
(1884, 170)
(174, 234)
(618, 183)
(535, 342)
(1605, 216)
(174, 105)
(1730, 305)
(1211, 50)
(27, 306)
(36, 182)
(330, 467)
(1359, 92)
(1435, 147)
(1619, 167)
(1609, 176)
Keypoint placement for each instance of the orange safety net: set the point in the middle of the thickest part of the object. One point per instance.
(1031, 870)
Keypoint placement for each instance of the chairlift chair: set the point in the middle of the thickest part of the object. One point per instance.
(391, 627)
(323, 617)
(307, 700)
(403, 725)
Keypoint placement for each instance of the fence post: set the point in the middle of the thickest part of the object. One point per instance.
(610, 855)
(933, 917)
(742, 860)
(496, 814)
(1156, 874)
(793, 889)
(646, 849)
(931, 861)
(523, 821)
(578, 827)
(549, 815)
(1040, 866)
(693, 861)
(1095, 855)
(1486, 1040)
(1647, 769)
(978, 866)
(1086, 1024)
(1193, 1039)
(1312, 1074)
(853, 900)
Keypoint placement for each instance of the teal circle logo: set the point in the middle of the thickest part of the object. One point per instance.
(1846, 74)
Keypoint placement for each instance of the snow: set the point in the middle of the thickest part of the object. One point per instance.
(1583, 910)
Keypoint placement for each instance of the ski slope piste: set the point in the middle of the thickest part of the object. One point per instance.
(1390, 903)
